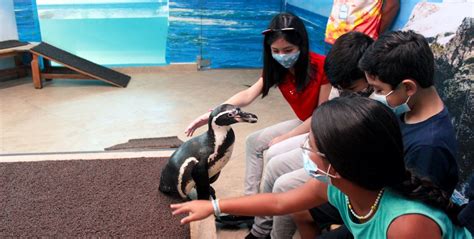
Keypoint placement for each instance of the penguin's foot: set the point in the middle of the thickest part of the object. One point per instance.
(251, 236)
(212, 192)
(235, 220)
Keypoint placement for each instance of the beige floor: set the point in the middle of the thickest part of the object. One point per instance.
(71, 115)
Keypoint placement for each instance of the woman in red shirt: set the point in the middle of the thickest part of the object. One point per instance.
(298, 73)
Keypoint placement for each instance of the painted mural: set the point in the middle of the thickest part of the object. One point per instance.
(225, 32)
(451, 37)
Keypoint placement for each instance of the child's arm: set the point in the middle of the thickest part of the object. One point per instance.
(309, 195)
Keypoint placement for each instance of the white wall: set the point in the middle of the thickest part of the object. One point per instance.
(8, 29)
(7, 18)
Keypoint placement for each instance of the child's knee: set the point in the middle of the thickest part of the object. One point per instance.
(282, 184)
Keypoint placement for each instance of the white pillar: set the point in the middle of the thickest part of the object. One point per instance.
(7, 18)
(8, 30)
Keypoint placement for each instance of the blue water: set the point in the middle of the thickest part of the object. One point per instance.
(108, 34)
(231, 31)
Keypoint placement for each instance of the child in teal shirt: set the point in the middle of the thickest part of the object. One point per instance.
(355, 155)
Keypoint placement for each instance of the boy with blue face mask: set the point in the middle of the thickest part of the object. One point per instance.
(400, 67)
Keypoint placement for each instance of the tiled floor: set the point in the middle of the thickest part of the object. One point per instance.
(72, 115)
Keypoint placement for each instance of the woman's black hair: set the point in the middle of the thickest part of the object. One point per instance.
(273, 72)
(362, 141)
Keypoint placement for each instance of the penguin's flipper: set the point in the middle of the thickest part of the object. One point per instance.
(200, 176)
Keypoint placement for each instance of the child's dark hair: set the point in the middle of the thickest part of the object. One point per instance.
(341, 64)
(362, 141)
(273, 72)
(400, 55)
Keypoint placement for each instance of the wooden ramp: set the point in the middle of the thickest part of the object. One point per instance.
(15, 49)
(75, 67)
(11, 44)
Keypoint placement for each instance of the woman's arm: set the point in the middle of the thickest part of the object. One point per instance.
(324, 93)
(300, 129)
(306, 125)
(241, 99)
(311, 194)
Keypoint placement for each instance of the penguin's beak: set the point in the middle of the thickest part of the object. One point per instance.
(246, 117)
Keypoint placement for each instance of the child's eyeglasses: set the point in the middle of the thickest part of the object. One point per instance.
(364, 93)
(305, 147)
(277, 30)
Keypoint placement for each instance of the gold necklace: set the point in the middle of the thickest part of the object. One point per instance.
(372, 208)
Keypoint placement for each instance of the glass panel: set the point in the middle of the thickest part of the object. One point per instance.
(226, 32)
(109, 32)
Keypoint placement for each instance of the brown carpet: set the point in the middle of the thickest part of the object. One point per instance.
(148, 144)
(86, 198)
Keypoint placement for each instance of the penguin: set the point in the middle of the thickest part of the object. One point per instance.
(198, 162)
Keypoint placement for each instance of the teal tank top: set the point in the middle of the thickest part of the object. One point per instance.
(391, 206)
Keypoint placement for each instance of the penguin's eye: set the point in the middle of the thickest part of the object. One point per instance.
(232, 113)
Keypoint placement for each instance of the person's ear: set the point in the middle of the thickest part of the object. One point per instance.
(410, 86)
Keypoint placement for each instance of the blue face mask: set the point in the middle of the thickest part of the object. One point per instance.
(286, 60)
(312, 169)
(398, 110)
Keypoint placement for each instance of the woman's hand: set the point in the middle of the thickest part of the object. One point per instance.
(198, 210)
(278, 139)
(198, 122)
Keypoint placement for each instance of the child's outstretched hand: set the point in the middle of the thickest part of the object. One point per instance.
(198, 210)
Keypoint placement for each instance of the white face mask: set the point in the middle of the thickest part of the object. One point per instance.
(312, 169)
(398, 110)
(286, 60)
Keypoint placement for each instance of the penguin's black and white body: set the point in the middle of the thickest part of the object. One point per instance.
(198, 162)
